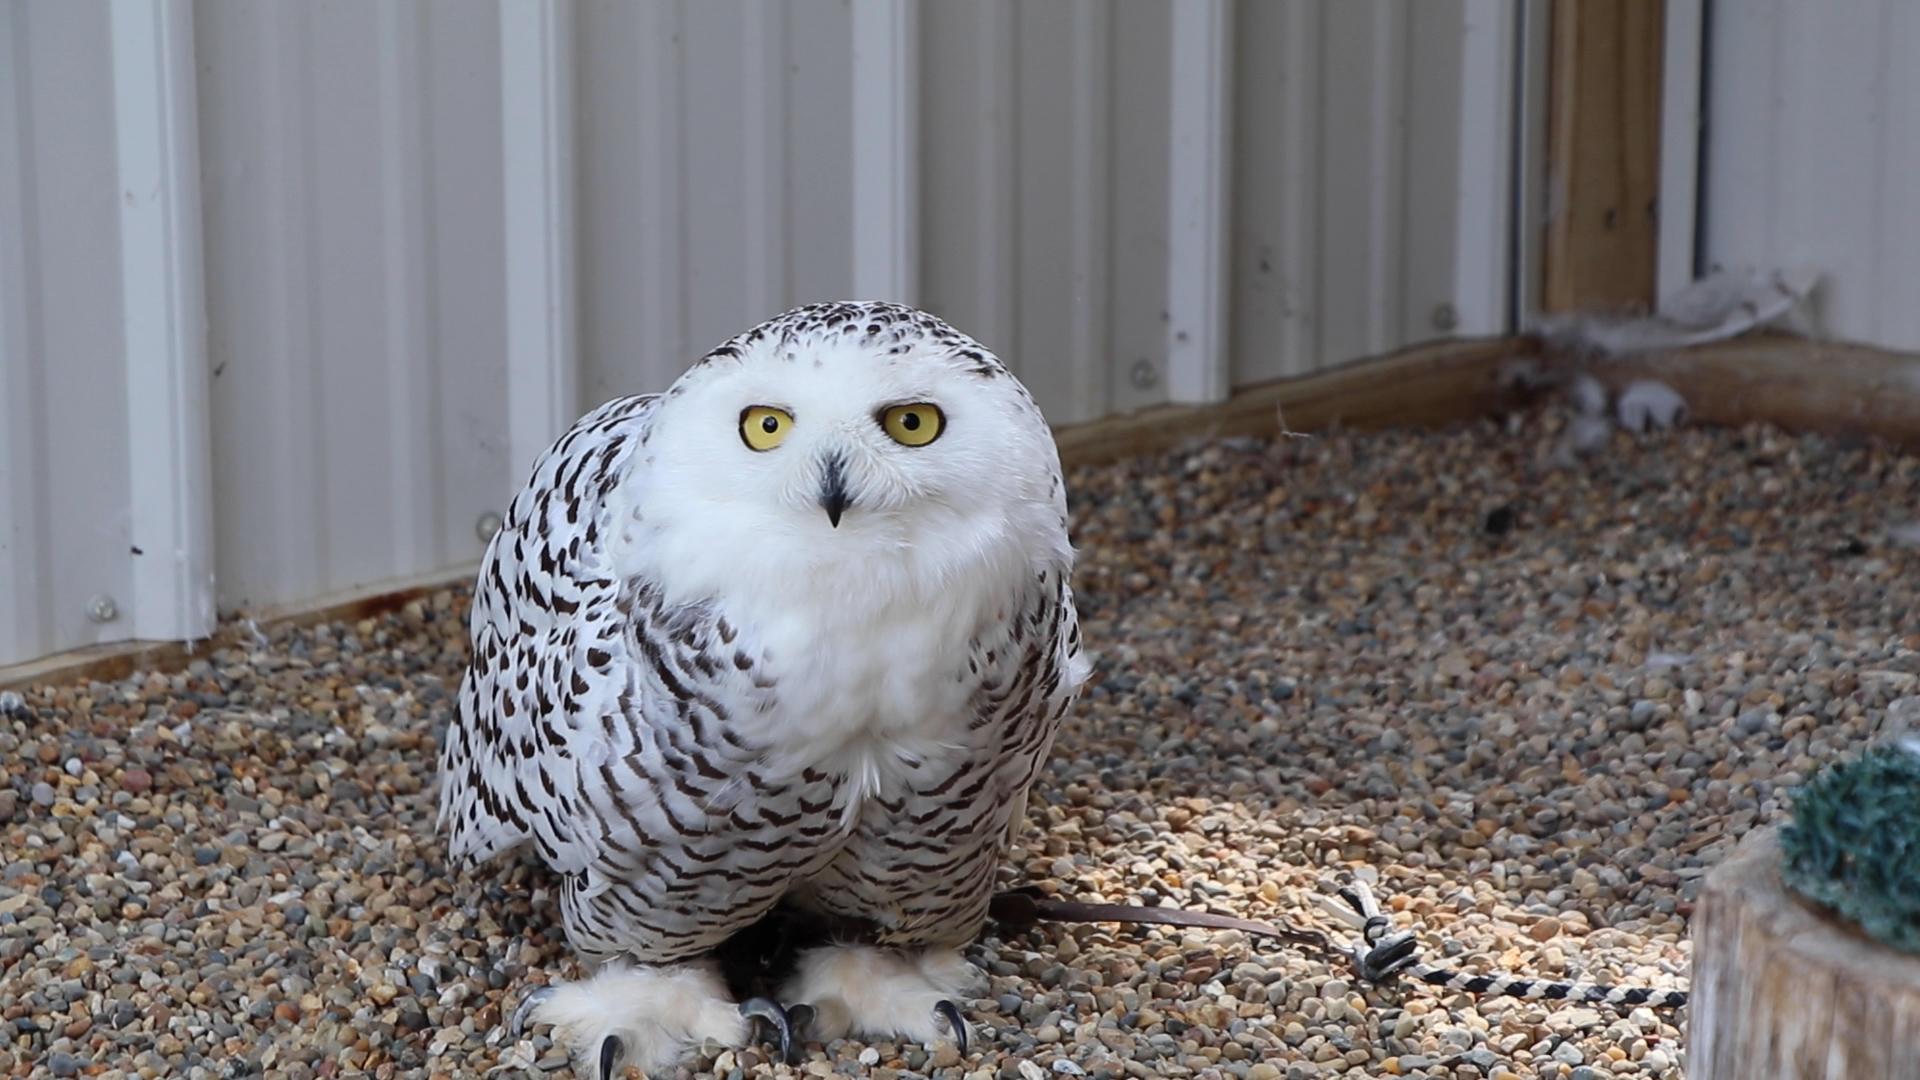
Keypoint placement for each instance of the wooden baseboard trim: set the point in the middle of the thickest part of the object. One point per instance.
(107, 663)
(1426, 385)
(1836, 389)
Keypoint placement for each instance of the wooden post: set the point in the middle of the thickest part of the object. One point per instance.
(1782, 991)
(1603, 155)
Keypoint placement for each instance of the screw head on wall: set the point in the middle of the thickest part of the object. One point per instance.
(1445, 316)
(488, 524)
(1144, 374)
(102, 609)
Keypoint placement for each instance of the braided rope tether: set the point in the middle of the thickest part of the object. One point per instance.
(1379, 957)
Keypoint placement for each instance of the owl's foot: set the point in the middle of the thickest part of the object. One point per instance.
(789, 1025)
(884, 993)
(646, 1017)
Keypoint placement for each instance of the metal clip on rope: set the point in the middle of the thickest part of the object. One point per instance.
(1376, 955)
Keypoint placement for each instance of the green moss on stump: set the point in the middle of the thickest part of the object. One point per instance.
(1854, 843)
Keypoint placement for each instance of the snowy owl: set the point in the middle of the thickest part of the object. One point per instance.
(793, 635)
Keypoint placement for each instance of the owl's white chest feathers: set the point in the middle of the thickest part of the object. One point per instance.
(858, 685)
(864, 630)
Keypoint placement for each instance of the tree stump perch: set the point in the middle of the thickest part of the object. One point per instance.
(1784, 991)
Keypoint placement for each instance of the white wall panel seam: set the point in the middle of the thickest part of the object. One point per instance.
(164, 309)
(301, 471)
(884, 169)
(1680, 75)
(543, 395)
(1484, 191)
(1199, 188)
(413, 409)
(762, 141)
(26, 588)
(1530, 188)
(1089, 220)
(997, 182)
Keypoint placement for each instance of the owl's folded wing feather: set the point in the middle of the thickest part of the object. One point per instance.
(547, 652)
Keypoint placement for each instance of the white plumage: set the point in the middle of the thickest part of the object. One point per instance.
(797, 631)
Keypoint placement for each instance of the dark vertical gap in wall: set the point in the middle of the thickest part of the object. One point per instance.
(1519, 219)
(1702, 161)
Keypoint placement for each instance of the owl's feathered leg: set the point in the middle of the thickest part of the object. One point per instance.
(883, 992)
(630, 1014)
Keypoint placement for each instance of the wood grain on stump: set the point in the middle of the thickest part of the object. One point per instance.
(1783, 990)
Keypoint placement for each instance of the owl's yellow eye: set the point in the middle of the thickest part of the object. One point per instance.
(914, 425)
(763, 427)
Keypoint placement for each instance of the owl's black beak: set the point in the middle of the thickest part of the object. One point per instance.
(833, 488)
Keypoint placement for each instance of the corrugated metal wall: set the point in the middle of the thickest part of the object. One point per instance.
(351, 173)
(65, 532)
(1812, 154)
(407, 242)
(1363, 196)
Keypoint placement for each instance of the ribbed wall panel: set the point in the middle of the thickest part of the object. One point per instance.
(64, 522)
(1133, 201)
(351, 170)
(1813, 143)
(1372, 195)
(715, 180)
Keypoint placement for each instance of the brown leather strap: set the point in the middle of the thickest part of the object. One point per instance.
(1020, 909)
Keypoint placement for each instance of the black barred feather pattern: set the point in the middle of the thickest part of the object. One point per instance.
(649, 747)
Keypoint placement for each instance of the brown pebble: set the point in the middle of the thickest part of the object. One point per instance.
(136, 781)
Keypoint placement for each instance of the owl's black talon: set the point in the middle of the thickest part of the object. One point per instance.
(518, 1025)
(610, 1051)
(783, 1021)
(950, 1012)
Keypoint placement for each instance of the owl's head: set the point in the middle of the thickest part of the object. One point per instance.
(848, 432)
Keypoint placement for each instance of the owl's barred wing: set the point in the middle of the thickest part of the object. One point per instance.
(548, 648)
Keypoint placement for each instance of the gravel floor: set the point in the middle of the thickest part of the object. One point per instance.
(1537, 703)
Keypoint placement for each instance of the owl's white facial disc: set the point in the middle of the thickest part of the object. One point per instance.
(772, 462)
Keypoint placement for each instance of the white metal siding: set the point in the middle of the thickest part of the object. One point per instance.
(1813, 146)
(352, 175)
(64, 528)
(1372, 194)
(429, 234)
(1359, 156)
